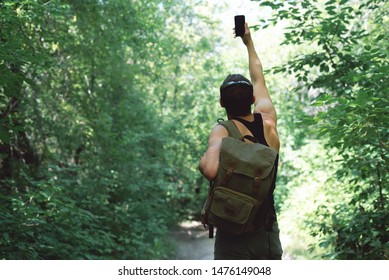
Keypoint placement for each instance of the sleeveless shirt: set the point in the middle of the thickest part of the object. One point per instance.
(255, 127)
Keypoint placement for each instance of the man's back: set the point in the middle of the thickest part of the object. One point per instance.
(263, 243)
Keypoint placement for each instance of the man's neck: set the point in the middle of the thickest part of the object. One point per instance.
(249, 117)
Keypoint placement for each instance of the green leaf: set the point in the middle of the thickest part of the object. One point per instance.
(367, 47)
(380, 37)
(330, 2)
(269, 4)
(4, 135)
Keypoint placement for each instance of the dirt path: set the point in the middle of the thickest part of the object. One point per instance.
(193, 242)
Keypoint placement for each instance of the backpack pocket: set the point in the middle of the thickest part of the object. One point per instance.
(232, 211)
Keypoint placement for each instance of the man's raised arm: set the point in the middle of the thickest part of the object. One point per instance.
(263, 103)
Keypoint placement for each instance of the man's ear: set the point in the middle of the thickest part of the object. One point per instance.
(253, 102)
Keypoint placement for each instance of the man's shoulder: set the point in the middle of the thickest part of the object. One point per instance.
(219, 131)
(270, 130)
(269, 120)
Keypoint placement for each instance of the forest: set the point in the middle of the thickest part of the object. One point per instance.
(106, 107)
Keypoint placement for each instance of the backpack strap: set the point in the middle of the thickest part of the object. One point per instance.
(250, 138)
(234, 132)
(232, 129)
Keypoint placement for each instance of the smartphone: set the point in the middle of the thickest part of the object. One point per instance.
(239, 25)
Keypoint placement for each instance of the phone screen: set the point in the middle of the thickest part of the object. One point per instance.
(239, 25)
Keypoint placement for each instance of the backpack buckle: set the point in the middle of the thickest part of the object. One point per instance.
(257, 182)
(230, 170)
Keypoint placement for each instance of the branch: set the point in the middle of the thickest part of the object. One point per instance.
(12, 104)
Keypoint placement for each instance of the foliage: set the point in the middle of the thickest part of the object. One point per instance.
(344, 77)
(106, 106)
(300, 194)
(93, 164)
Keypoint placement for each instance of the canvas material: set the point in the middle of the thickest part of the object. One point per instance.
(244, 178)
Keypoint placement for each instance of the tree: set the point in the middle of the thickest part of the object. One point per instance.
(344, 76)
(87, 150)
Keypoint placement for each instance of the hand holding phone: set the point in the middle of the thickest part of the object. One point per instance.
(239, 25)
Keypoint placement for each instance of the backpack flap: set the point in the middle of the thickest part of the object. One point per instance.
(251, 160)
(232, 211)
(232, 206)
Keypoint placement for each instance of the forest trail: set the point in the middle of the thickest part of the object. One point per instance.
(193, 242)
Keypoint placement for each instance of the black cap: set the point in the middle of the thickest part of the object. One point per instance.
(235, 79)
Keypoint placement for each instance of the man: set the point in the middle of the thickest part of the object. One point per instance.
(237, 94)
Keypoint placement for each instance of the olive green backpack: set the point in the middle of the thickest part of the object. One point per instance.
(245, 176)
